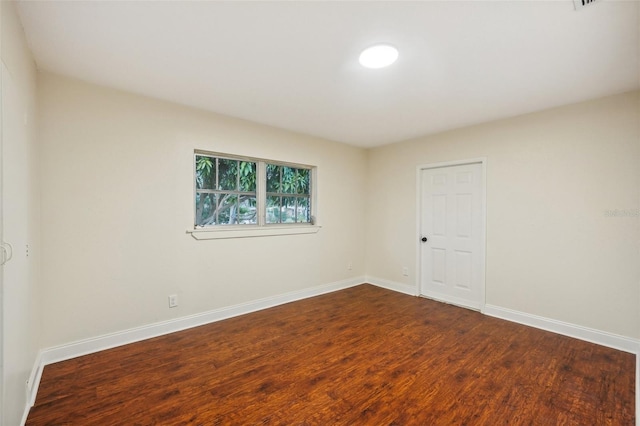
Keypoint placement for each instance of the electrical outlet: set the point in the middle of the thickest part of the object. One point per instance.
(173, 300)
(350, 266)
(405, 271)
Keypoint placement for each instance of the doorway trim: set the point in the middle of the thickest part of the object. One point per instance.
(483, 234)
(2, 372)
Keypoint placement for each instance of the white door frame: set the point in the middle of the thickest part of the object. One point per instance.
(483, 212)
(2, 373)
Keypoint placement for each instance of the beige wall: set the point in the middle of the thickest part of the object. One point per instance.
(117, 193)
(21, 324)
(117, 202)
(551, 250)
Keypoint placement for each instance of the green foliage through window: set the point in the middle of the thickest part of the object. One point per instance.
(228, 192)
(288, 194)
(225, 191)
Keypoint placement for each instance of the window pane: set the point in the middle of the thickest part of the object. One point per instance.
(205, 172)
(303, 211)
(273, 178)
(273, 209)
(205, 209)
(302, 180)
(247, 172)
(288, 210)
(288, 180)
(228, 209)
(227, 174)
(247, 212)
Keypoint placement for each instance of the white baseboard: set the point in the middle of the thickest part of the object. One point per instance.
(34, 379)
(112, 340)
(603, 338)
(32, 386)
(108, 341)
(392, 285)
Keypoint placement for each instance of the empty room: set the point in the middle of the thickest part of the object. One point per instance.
(320, 213)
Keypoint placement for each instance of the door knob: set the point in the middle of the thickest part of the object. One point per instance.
(7, 253)
(424, 239)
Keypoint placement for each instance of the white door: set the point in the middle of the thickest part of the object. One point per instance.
(452, 234)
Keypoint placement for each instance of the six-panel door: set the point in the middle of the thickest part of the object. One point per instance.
(451, 221)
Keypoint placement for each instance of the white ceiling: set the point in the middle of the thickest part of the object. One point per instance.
(294, 65)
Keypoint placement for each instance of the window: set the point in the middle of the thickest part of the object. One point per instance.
(245, 191)
(288, 197)
(225, 191)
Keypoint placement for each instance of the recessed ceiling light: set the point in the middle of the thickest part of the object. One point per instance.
(378, 56)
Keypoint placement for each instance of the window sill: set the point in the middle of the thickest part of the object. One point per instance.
(263, 231)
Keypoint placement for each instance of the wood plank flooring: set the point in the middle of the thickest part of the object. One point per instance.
(361, 356)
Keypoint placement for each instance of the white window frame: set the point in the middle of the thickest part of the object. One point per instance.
(261, 228)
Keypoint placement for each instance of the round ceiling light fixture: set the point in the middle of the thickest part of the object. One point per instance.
(378, 56)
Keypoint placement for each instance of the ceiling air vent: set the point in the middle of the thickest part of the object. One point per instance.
(579, 4)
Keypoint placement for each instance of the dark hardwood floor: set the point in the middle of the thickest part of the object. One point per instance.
(361, 356)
